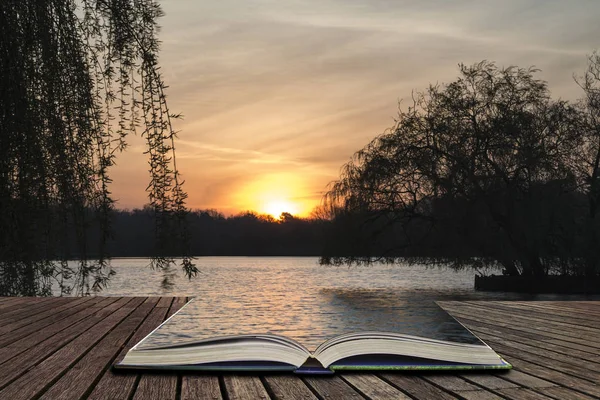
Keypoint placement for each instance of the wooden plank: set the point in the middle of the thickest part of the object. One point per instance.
(417, 387)
(77, 380)
(121, 385)
(479, 395)
(502, 324)
(288, 387)
(34, 308)
(200, 387)
(563, 393)
(559, 358)
(526, 380)
(485, 326)
(53, 336)
(526, 312)
(22, 329)
(522, 394)
(19, 302)
(564, 327)
(564, 308)
(558, 377)
(548, 361)
(34, 355)
(373, 387)
(539, 342)
(166, 304)
(489, 381)
(332, 388)
(156, 387)
(178, 302)
(452, 383)
(544, 312)
(244, 387)
(35, 380)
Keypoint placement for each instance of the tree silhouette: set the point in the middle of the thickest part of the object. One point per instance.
(589, 159)
(481, 168)
(76, 78)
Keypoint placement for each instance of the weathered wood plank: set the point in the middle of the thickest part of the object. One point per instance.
(51, 337)
(548, 360)
(554, 347)
(19, 302)
(332, 388)
(244, 387)
(539, 336)
(16, 331)
(178, 302)
(479, 395)
(34, 355)
(560, 357)
(453, 383)
(166, 304)
(156, 387)
(373, 387)
(541, 329)
(200, 387)
(32, 310)
(489, 381)
(543, 312)
(522, 394)
(558, 377)
(563, 393)
(538, 341)
(120, 385)
(35, 380)
(526, 380)
(78, 379)
(564, 327)
(550, 316)
(417, 387)
(288, 387)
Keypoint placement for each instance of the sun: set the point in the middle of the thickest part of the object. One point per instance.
(277, 207)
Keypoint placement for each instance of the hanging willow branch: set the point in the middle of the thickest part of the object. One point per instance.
(76, 78)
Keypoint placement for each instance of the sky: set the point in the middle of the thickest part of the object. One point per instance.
(278, 94)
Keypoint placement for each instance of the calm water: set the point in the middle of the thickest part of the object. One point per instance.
(297, 297)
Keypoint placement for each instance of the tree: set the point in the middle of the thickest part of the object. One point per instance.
(589, 165)
(76, 78)
(479, 169)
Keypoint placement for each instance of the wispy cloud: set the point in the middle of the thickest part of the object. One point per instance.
(297, 86)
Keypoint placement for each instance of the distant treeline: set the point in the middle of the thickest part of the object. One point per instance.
(214, 234)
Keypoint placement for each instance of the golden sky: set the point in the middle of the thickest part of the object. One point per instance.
(278, 94)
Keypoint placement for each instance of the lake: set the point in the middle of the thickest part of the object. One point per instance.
(296, 296)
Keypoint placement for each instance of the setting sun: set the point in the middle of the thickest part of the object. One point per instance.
(277, 207)
(274, 194)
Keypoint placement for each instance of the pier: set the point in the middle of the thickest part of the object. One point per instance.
(63, 348)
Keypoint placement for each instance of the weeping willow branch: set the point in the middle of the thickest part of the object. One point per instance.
(76, 79)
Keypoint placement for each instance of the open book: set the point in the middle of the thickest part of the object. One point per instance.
(167, 348)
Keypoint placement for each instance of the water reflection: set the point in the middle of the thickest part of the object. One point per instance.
(296, 297)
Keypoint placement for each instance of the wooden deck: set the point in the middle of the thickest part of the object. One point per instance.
(62, 348)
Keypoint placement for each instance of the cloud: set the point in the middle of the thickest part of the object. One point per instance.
(298, 86)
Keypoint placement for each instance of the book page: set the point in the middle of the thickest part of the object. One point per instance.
(309, 321)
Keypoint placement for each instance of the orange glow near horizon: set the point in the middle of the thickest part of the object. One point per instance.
(277, 207)
(275, 194)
